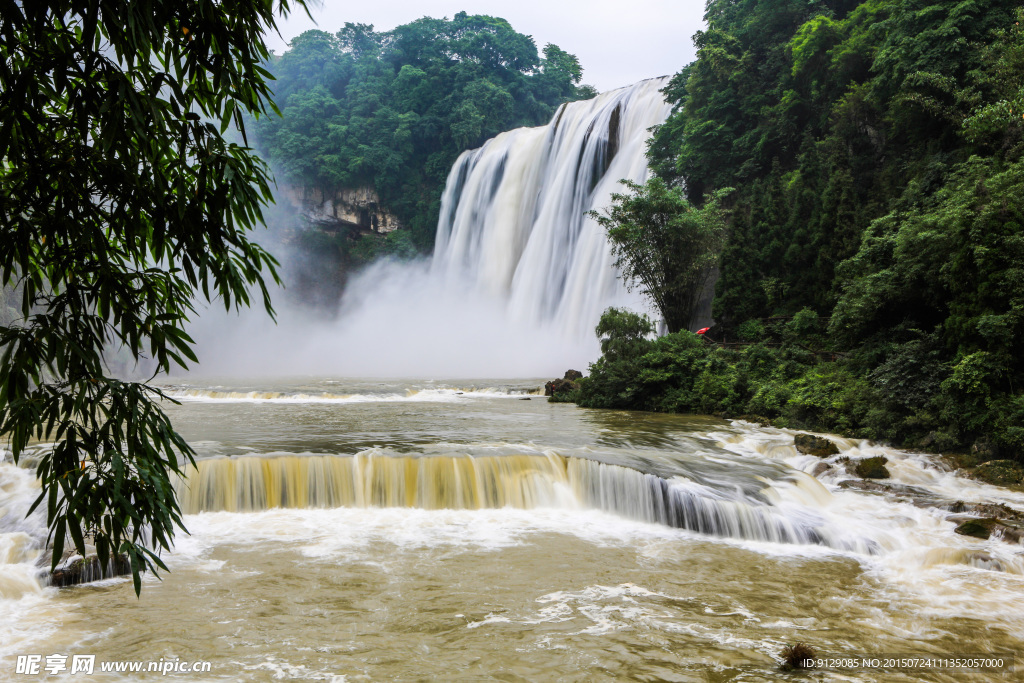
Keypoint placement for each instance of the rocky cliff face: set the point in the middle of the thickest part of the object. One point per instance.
(357, 207)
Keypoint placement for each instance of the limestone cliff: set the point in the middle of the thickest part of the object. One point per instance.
(357, 207)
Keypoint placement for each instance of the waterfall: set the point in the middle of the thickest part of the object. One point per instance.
(527, 481)
(519, 276)
(514, 217)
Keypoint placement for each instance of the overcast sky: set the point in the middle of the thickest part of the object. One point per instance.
(618, 42)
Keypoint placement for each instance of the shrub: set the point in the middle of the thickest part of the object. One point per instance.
(752, 331)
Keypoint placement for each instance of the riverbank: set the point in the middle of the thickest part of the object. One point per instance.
(782, 377)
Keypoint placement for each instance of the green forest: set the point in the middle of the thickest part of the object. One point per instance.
(872, 276)
(392, 110)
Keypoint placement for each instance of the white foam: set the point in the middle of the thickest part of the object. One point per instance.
(452, 395)
(342, 532)
(919, 560)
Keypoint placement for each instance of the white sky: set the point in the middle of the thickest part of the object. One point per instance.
(618, 42)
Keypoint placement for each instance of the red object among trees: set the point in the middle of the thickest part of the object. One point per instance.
(703, 330)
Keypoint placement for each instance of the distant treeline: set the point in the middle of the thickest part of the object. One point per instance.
(392, 110)
(876, 151)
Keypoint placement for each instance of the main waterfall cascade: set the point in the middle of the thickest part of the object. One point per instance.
(519, 276)
(514, 217)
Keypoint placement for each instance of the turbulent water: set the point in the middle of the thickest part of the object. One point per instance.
(405, 530)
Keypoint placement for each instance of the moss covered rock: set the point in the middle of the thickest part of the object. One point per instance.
(815, 445)
(564, 390)
(1000, 472)
(872, 468)
(560, 386)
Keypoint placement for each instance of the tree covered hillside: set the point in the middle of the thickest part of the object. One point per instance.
(392, 110)
(876, 151)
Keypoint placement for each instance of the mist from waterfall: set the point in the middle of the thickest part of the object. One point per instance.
(520, 273)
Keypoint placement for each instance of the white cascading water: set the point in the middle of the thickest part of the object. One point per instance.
(520, 273)
(514, 212)
(524, 481)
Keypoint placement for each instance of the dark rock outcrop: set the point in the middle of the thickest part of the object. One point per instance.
(999, 472)
(566, 385)
(872, 468)
(1005, 530)
(820, 469)
(815, 445)
(87, 569)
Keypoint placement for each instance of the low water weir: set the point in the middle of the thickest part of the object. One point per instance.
(250, 484)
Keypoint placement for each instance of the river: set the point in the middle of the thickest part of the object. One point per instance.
(470, 530)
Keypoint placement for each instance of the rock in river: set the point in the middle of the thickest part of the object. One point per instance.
(815, 445)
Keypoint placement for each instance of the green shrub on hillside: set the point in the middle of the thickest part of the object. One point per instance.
(877, 148)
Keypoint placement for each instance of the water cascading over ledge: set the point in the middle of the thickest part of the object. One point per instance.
(514, 218)
(251, 484)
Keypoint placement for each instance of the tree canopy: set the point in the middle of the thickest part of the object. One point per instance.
(392, 110)
(665, 245)
(121, 203)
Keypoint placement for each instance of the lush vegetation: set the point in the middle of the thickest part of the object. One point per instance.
(665, 245)
(121, 205)
(778, 373)
(392, 110)
(876, 147)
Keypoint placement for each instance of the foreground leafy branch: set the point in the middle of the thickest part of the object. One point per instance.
(121, 203)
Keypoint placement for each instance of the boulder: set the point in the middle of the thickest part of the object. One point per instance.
(815, 445)
(999, 472)
(976, 528)
(986, 528)
(872, 468)
(567, 384)
(820, 469)
(985, 510)
(87, 569)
